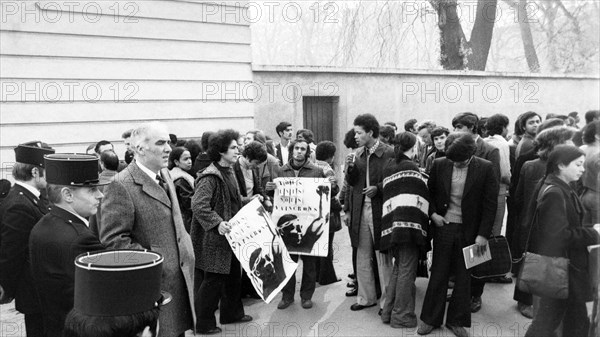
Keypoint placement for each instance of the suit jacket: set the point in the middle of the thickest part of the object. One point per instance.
(239, 176)
(278, 154)
(357, 178)
(479, 200)
(55, 242)
(20, 211)
(138, 214)
(489, 153)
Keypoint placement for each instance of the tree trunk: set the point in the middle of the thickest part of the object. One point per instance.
(453, 44)
(481, 36)
(528, 45)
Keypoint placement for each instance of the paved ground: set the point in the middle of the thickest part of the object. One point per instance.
(331, 315)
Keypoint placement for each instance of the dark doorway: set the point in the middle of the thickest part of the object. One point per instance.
(319, 116)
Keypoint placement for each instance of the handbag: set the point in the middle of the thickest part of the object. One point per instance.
(499, 265)
(543, 276)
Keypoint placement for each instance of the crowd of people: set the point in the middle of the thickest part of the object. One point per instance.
(401, 194)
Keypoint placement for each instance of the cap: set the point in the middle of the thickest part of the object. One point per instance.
(118, 282)
(32, 153)
(72, 169)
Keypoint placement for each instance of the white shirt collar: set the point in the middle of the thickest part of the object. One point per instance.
(149, 172)
(85, 222)
(30, 188)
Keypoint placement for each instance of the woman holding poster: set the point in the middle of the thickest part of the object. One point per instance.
(218, 273)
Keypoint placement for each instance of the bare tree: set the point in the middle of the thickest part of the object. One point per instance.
(528, 46)
(456, 51)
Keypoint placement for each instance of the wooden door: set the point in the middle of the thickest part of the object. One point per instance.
(319, 115)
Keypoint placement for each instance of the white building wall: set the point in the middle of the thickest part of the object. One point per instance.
(76, 72)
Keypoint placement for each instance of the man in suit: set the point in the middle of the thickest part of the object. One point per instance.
(285, 133)
(20, 211)
(464, 192)
(468, 122)
(63, 234)
(365, 175)
(141, 211)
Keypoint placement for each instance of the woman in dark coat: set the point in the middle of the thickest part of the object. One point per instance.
(403, 230)
(218, 273)
(180, 163)
(532, 172)
(558, 232)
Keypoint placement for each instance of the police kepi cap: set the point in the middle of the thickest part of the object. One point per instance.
(32, 153)
(72, 169)
(118, 282)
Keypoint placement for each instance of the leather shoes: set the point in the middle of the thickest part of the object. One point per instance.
(307, 304)
(475, 304)
(212, 331)
(352, 276)
(357, 307)
(351, 284)
(458, 331)
(525, 310)
(284, 304)
(425, 329)
(352, 292)
(243, 319)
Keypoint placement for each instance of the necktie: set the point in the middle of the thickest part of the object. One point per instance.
(162, 183)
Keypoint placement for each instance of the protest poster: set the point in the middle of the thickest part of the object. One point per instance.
(301, 214)
(260, 250)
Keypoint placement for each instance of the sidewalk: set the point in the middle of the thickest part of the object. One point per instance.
(331, 315)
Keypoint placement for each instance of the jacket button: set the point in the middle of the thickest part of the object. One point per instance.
(179, 239)
(181, 264)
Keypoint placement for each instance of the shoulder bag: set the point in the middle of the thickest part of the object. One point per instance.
(541, 275)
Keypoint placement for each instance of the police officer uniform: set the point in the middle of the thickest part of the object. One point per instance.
(58, 238)
(20, 211)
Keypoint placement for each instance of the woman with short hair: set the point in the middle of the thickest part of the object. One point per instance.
(558, 232)
(218, 272)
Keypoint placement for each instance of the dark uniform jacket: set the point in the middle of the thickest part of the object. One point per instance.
(479, 200)
(356, 177)
(55, 242)
(20, 211)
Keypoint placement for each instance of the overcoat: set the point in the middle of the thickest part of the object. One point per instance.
(479, 200)
(356, 177)
(210, 206)
(55, 242)
(138, 214)
(559, 232)
(20, 211)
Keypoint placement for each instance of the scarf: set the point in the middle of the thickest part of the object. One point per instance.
(177, 173)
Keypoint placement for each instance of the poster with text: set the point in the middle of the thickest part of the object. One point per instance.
(260, 250)
(301, 214)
